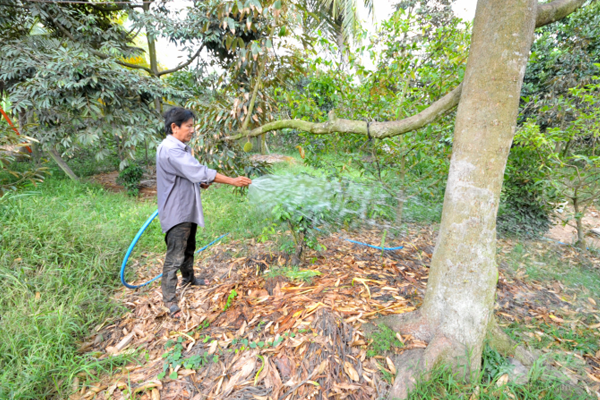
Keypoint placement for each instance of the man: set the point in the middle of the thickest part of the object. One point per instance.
(179, 177)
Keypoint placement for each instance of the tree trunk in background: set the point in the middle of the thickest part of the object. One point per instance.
(153, 59)
(579, 222)
(62, 164)
(462, 282)
(264, 149)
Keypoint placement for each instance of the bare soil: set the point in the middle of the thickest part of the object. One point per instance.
(568, 233)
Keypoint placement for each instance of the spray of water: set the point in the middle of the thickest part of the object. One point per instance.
(338, 202)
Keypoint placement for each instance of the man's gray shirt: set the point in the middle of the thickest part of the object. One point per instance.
(178, 175)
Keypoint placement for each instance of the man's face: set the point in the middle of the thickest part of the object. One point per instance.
(184, 132)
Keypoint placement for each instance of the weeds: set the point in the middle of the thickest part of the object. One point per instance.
(230, 299)
(383, 339)
(174, 359)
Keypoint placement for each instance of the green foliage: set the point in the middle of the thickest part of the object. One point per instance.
(562, 57)
(383, 340)
(302, 220)
(410, 73)
(130, 178)
(443, 384)
(526, 192)
(69, 84)
(493, 365)
(174, 358)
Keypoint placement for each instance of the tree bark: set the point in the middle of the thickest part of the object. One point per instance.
(459, 300)
(264, 149)
(579, 223)
(153, 58)
(62, 164)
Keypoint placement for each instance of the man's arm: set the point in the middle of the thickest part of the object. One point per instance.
(240, 181)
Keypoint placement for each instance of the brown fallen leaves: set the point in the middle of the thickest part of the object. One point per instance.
(278, 338)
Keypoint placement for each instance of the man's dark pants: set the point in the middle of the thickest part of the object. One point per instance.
(181, 244)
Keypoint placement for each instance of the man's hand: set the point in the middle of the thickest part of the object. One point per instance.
(241, 181)
(205, 185)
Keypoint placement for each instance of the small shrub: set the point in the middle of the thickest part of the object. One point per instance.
(130, 177)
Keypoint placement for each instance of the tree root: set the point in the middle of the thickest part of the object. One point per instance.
(503, 344)
(416, 363)
(412, 323)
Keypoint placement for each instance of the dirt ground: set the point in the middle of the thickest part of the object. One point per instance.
(147, 186)
(568, 233)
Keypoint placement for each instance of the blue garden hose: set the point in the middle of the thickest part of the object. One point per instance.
(375, 247)
(134, 242)
(370, 245)
(151, 218)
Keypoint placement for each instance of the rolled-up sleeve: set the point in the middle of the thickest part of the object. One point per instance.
(188, 167)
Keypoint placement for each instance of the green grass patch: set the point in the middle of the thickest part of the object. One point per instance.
(544, 263)
(383, 340)
(443, 384)
(60, 251)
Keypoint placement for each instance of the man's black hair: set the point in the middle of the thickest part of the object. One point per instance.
(177, 116)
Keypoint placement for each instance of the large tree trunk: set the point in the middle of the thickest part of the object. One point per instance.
(459, 300)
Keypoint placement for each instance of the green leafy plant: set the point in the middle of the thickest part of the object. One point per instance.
(130, 178)
(174, 358)
(230, 298)
(301, 219)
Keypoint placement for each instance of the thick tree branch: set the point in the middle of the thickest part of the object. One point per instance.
(123, 63)
(377, 130)
(180, 66)
(558, 9)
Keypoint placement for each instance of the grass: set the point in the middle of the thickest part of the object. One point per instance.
(544, 264)
(383, 339)
(442, 384)
(58, 268)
